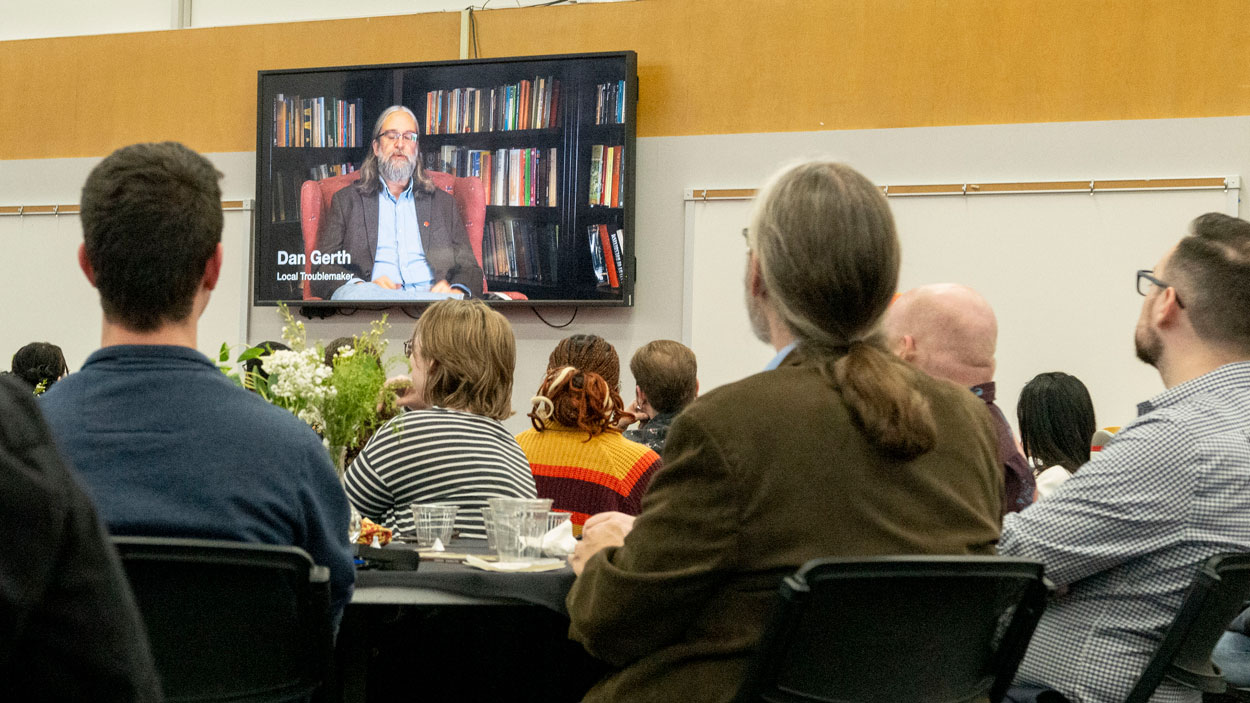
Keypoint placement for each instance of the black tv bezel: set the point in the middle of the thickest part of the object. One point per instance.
(318, 308)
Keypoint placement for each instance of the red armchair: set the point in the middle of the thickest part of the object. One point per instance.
(315, 199)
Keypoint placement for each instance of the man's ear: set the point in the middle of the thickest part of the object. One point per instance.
(755, 279)
(696, 388)
(1167, 309)
(905, 349)
(212, 269)
(85, 264)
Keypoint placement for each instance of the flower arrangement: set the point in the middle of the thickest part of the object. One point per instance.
(344, 403)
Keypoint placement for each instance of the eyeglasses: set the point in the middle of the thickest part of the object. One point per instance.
(392, 135)
(1146, 278)
(407, 347)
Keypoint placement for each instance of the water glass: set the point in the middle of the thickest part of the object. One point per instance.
(488, 519)
(556, 518)
(433, 521)
(353, 525)
(519, 527)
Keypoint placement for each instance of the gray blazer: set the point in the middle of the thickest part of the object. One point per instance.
(353, 227)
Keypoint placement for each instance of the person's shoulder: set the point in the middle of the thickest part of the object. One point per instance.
(22, 427)
(632, 448)
(33, 468)
(755, 396)
(348, 194)
(948, 394)
(438, 198)
(255, 419)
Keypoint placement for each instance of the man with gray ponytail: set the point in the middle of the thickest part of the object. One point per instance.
(837, 449)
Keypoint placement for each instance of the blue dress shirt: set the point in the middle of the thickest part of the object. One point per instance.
(400, 256)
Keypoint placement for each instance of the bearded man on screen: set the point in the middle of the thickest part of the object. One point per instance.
(403, 238)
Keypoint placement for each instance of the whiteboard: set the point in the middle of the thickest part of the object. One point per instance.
(1058, 268)
(50, 299)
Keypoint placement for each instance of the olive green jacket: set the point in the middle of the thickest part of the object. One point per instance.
(760, 476)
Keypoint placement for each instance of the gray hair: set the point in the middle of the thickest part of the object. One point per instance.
(828, 251)
(829, 257)
(369, 183)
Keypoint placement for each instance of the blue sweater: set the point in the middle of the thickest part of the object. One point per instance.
(167, 446)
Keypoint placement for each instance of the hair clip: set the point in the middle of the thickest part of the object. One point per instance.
(543, 406)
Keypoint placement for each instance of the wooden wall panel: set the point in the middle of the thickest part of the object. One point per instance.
(705, 66)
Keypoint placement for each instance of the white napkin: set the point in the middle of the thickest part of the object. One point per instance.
(559, 541)
(535, 565)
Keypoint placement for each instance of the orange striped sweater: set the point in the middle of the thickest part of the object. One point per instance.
(607, 473)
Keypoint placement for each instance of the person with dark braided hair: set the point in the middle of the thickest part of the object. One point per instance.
(576, 451)
(39, 364)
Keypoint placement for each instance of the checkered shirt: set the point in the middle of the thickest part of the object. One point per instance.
(1126, 533)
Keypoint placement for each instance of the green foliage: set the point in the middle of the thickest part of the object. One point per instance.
(345, 405)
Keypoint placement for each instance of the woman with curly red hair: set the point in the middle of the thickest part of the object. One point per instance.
(576, 452)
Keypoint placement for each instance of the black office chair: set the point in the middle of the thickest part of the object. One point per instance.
(230, 621)
(901, 629)
(1216, 596)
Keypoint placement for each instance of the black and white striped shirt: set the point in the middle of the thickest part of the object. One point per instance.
(437, 456)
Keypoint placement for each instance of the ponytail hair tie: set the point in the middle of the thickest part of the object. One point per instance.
(543, 407)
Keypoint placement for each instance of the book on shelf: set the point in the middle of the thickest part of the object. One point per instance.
(609, 256)
(287, 185)
(597, 261)
(526, 104)
(610, 103)
(616, 237)
(317, 122)
(517, 177)
(607, 185)
(285, 197)
(323, 171)
(521, 250)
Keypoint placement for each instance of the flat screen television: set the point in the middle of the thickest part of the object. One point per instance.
(520, 172)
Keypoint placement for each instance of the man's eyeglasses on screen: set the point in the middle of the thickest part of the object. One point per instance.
(391, 135)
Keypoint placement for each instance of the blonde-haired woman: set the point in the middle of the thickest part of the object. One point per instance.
(455, 449)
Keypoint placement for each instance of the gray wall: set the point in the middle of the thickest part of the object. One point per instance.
(47, 297)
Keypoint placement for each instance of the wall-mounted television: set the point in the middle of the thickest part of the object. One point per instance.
(508, 179)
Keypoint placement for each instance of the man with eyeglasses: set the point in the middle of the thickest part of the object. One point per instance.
(1123, 538)
(394, 235)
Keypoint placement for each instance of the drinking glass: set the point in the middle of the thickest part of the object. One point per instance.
(488, 519)
(433, 521)
(353, 526)
(519, 527)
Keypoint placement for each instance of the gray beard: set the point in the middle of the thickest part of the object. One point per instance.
(397, 171)
(758, 318)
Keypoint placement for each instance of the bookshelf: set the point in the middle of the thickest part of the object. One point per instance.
(524, 126)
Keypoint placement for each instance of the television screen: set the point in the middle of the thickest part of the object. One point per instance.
(506, 179)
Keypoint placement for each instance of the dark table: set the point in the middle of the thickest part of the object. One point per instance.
(449, 632)
(442, 583)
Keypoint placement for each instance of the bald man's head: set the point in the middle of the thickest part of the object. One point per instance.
(948, 330)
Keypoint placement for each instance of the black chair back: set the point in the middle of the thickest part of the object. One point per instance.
(926, 629)
(230, 621)
(1216, 596)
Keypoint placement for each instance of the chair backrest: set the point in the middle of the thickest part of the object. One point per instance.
(315, 197)
(314, 206)
(1216, 596)
(229, 621)
(926, 629)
